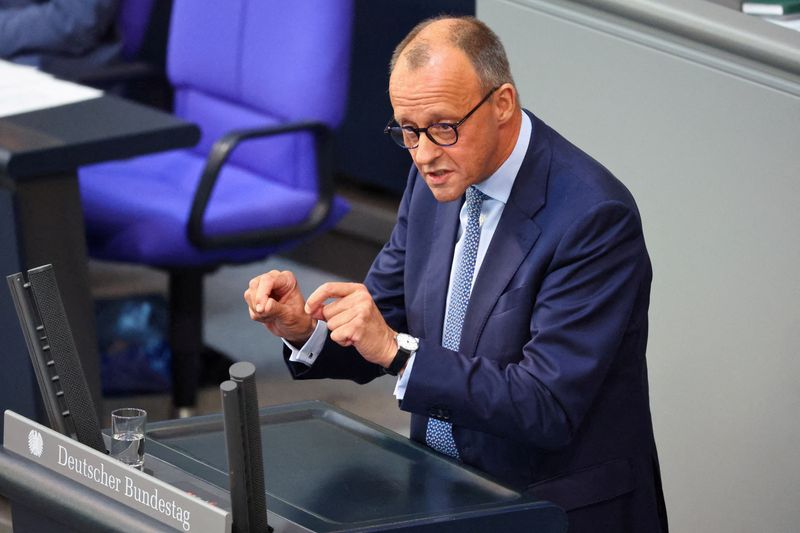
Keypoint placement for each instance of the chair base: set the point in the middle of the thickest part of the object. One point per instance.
(214, 369)
(193, 363)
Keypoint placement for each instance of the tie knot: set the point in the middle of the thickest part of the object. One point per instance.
(475, 197)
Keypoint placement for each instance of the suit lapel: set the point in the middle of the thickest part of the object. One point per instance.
(513, 239)
(437, 279)
(515, 235)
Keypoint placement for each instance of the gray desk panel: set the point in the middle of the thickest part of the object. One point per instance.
(329, 471)
(63, 138)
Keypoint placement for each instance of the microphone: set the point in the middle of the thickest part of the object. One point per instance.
(243, 443)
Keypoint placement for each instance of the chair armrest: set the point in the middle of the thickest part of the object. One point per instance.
(255, 238)
(119, 73)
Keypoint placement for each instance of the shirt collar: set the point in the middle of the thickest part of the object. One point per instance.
(498, 185)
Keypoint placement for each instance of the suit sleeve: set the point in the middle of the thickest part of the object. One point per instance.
(70, 27)
(581, 314)
(385, 284)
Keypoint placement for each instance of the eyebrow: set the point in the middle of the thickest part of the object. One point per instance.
(439, 120)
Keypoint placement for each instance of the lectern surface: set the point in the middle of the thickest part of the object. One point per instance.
(326, 469)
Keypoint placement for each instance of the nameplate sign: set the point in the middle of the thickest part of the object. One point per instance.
(137, 490)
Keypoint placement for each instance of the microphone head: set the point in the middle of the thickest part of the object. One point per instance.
(242, 371)
(228, 386)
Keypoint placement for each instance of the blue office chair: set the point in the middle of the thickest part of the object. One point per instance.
(264, 80)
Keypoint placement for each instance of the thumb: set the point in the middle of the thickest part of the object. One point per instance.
(316, 313)
(286, 313)
(283, 283)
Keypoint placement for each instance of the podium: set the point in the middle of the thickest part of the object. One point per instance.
(326, 471)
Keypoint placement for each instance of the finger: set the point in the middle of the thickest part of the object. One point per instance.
(273, 284)
(247, 298)
(327, 311)
(332, 289)
(265, 318)
(254, 315)
(344, 335)
(359, 299)
(250, 292)
(283, 282)
(258, 291)
(272, 309)
(348, 315)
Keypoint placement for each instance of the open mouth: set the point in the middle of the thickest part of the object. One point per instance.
(437, 176)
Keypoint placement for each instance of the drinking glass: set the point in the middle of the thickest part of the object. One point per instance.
(127, 435)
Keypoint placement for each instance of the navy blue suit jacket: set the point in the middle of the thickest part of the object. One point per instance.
(65, 37)
(548, 391)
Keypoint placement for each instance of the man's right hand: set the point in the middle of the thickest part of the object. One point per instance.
(275, 300)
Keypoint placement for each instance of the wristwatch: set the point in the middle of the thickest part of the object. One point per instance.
(406, 346)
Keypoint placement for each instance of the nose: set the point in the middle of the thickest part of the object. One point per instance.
(426, 152)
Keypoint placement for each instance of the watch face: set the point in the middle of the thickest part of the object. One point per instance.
(407, 342)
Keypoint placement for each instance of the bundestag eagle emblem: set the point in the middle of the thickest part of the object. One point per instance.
(35, 443)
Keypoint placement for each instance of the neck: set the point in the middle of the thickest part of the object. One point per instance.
(508, 135)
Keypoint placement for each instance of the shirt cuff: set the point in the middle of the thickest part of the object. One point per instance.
(402, 381)
(313, 346)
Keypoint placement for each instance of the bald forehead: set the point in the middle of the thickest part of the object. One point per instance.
(441, 90)
(438, 31)
(418, 52)
(426, 62)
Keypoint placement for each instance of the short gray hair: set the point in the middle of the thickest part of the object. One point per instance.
(480, 44)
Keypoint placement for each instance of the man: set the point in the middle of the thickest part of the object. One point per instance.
(64, 37)
(511, 298)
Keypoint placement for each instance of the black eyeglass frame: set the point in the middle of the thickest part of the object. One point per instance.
(454, 126)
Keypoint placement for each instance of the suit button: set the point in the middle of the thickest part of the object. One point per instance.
(439, 413)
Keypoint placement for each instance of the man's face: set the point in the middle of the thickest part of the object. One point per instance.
(444, 90)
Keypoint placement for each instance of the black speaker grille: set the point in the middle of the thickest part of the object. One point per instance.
(65, 356)
(253, 439)
(243, 374)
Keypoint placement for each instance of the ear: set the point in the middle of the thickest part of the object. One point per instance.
(505, 102)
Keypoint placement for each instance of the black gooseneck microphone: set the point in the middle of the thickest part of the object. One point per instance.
(243, 443)
(65, 393)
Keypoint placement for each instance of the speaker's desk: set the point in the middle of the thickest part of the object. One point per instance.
(328, 471)
(41, 220)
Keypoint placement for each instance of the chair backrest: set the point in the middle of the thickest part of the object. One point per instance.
(253, 63)
(133, 19)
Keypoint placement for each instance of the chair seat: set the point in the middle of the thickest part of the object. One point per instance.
(120, 227)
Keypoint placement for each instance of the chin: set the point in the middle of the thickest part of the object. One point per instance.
(445, 195)
(446, 192)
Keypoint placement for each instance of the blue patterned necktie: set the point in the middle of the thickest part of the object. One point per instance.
(439, 434)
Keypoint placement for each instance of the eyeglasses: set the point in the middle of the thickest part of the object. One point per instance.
(441, 133)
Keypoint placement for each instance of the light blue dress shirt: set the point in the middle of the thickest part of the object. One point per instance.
(498, 188)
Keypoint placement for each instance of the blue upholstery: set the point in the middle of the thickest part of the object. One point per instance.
(234, 65)
(154, 231)
(133, 17)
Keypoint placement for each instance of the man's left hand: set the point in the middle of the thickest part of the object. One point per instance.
(354, 320)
